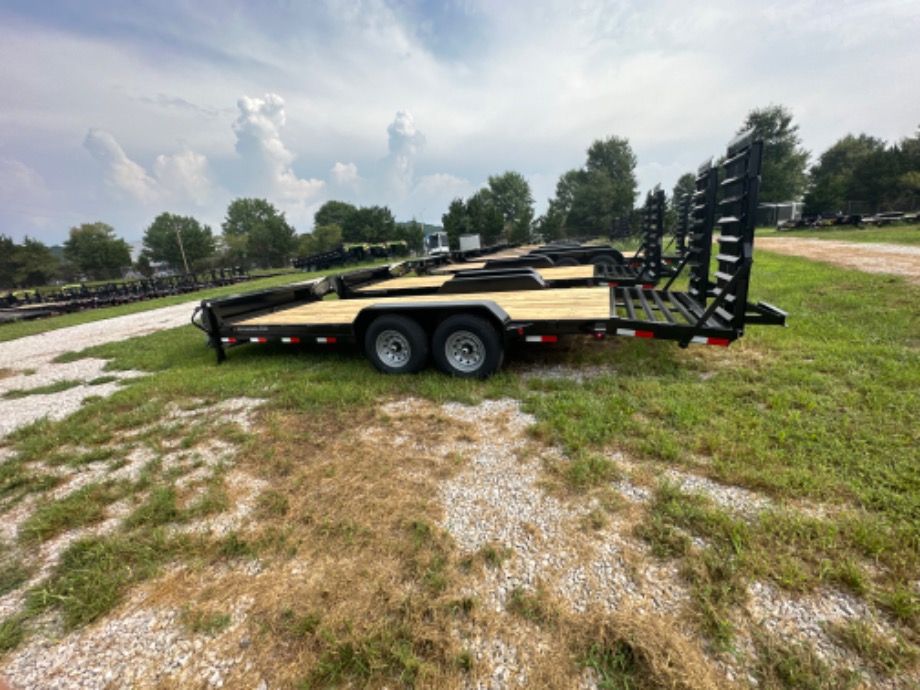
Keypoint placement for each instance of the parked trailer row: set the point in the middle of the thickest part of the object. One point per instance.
(467, 332)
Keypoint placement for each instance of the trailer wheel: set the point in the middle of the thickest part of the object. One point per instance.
(396, 345)
(605, 263)
(467, 347)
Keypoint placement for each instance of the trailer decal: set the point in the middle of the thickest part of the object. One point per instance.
(709, 341)
(635, 334)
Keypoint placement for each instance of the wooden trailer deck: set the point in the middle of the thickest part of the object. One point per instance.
(538, 305)
(437, 280)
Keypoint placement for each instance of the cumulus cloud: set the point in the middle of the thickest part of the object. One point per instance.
(345, 176)
(185, 174)
(267, 159)
(405, 141)
(178, 178)
(121, 173)
(18, 181)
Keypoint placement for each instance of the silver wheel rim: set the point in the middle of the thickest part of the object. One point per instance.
(465, 351)
(393, 348)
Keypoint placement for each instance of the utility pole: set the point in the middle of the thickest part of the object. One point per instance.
(182, 249)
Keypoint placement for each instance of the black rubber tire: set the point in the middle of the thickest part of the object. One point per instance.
(467, 347)
(567, 261)
(608, 259)
(396, 345)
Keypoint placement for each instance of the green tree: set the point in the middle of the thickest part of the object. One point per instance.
(35, 264)
(833, 182)
(412, 234)
(784, 162)
(270, 240)
(685, 185)
(334, 213)
(370, 224)
(95, 250)
(484, 217)
(455, 221)
(8, 255)
(162, 241)
(588, 199)
(324, 238)
(510, 194)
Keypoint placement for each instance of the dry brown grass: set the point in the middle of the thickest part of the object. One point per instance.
(353, 560)
(355, 582)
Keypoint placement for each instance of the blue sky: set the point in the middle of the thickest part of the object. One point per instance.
(118, 111)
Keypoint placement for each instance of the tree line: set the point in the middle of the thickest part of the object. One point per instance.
(589, 201)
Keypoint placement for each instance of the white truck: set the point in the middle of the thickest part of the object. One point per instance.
(469, 243)
(436, 243)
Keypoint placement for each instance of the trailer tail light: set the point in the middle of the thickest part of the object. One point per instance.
(723, 342)
(290, 340)
(541, 339)
(229, 341)
(635, 334)
(327, 341)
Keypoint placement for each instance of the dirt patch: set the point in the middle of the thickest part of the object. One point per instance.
(895, 259)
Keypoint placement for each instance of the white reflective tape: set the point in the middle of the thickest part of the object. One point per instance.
(626, 331)
(699, 339)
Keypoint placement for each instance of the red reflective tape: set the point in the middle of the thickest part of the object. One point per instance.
(647, 286)
(718, 341)
(290, 340)
(329, 341)
(541, 339)
(258, 340)
(228, 340)
(644, 334)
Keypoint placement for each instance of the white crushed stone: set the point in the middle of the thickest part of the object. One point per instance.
(154, 647)
(560, 372)
(36, 352)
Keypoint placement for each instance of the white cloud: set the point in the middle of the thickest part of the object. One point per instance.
(122, 174)
(344, 173)
(185, 174)
(267, 160)
(493, 86)
(18, 181)
(405, 141)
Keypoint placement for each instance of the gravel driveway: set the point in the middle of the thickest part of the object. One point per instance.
(27, 363)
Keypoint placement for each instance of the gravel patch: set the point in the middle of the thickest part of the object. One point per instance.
(30, 360)
(870, 257)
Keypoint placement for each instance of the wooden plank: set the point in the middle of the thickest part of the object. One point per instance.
(528, 305)
(437, 280)
(406, 282)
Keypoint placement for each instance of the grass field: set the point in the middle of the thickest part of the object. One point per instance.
(896, 234)
(817, 420)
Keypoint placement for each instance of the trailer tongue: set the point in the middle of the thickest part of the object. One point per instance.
(466, 327)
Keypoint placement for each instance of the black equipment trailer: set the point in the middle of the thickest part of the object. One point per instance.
(466, 332)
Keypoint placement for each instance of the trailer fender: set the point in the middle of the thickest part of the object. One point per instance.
(430, 315)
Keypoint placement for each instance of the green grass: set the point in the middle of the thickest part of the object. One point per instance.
(616, 667)
(56, 387)
(823, 411)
